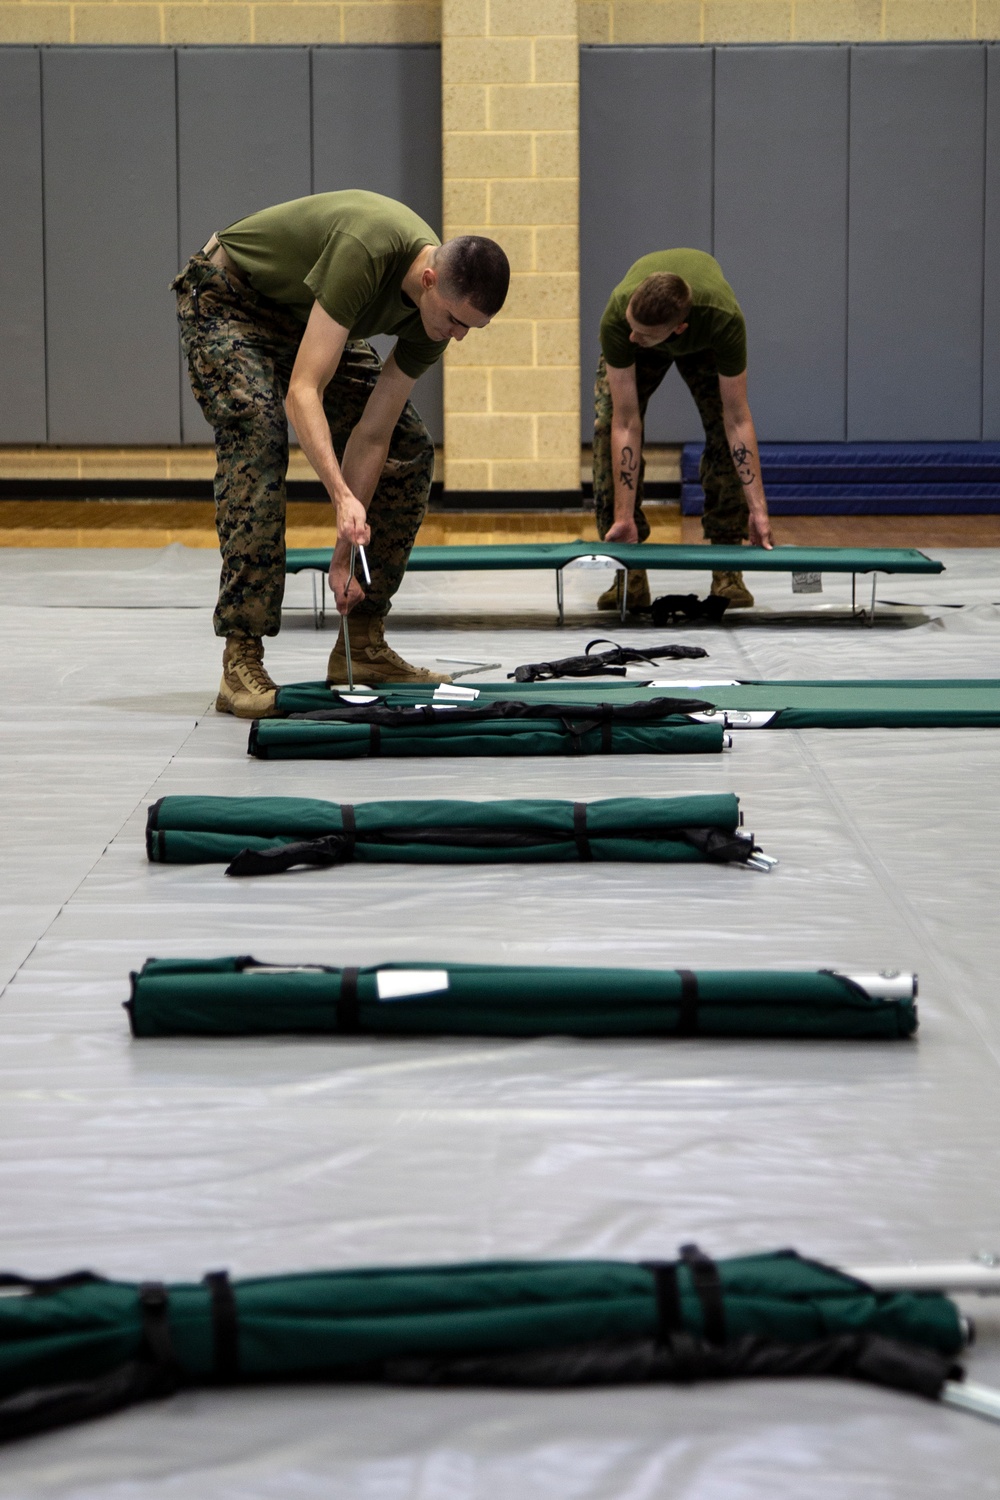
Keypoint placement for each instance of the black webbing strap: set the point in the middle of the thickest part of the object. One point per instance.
(374, 740)
(225, 1327)
(159, 1346)
(348, 1005)
(606, 713)
(669, 1318)
(350, 827)
(708, 1287)
(583, 848)
(43, 1285)
(687, 1017)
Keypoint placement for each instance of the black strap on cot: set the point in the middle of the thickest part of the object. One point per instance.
(350, 828)
(157, 1343)
(708, 1288)
(583, 848)
(348, 1005)
(225, 1328)
(374, 740)
(687, 1016)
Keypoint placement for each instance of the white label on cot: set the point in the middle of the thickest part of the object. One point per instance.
(888, 984)
(464, 694)
(403, 984)
(807, 583)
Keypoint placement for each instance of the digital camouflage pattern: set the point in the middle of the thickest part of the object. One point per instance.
(726, 518)
(240, 348)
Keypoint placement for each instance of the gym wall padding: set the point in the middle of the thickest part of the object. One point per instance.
(915, 243)
(645, 183)
(110, 176)
(243, 141)
(833, 269)
(991, 252)
(137, 154)
(787, 187)
(22, 282)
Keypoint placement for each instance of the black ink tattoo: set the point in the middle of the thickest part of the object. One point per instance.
(627, 471)
(742, 457)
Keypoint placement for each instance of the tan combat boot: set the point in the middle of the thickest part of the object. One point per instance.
(372, 659)
(731, 586)
(246, 690)
(636, 598)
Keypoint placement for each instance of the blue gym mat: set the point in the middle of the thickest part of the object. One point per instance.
(867, 478)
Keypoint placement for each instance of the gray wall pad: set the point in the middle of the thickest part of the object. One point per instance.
(916, 223)
(110, 171)
(991, 252)
(244, 134)
(170, 1159)
(829, 231)
(645, 184)
(22, 271)
(780, 205)
(146, 151)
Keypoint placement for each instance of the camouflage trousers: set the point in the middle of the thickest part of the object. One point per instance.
(240, 348)
(726, 518)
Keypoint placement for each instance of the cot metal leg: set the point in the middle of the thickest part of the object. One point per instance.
(854, 584)
(560, 597)
(623, 576)
(871, 614)
(319, 602)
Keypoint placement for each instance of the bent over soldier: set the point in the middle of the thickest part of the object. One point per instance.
(274, 314)
(675, 308)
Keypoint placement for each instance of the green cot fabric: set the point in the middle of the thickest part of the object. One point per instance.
(934, 703)
(647, 555)
(239, 997)
(339, 1323)
(304, 739)
(198, 830)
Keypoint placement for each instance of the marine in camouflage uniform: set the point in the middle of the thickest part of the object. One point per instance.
(725, 518)
(240, 348)
(674, 307)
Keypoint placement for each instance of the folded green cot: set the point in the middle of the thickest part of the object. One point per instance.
(893, 703)
(80, 1346)
(265, 835)
(241, 997)
(346, 730)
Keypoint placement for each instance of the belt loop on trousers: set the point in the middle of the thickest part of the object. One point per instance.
(583, 848)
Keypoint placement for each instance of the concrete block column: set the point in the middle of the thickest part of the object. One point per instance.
(510, 73)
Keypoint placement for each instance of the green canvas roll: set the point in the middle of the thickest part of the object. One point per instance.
(893, 703)
(195, 830)
(497, 727)
(239, 997)
(67, 1347)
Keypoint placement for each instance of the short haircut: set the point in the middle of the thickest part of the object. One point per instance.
(661, 301)
(476, 270)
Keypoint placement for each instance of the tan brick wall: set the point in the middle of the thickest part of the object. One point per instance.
(240, 22)
(510, 79)
(652, 21)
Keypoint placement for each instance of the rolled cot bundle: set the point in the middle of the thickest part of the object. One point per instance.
(80, 1346)
(502, 727)
(264, 835)
(241, 997)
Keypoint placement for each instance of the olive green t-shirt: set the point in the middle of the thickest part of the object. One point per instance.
(347, 251)
(715, 322)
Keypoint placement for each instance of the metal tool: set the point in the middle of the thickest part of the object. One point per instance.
(347, 628)
(364, 566)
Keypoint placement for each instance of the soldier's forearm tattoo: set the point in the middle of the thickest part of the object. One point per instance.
(629, 466)
(743, 459)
